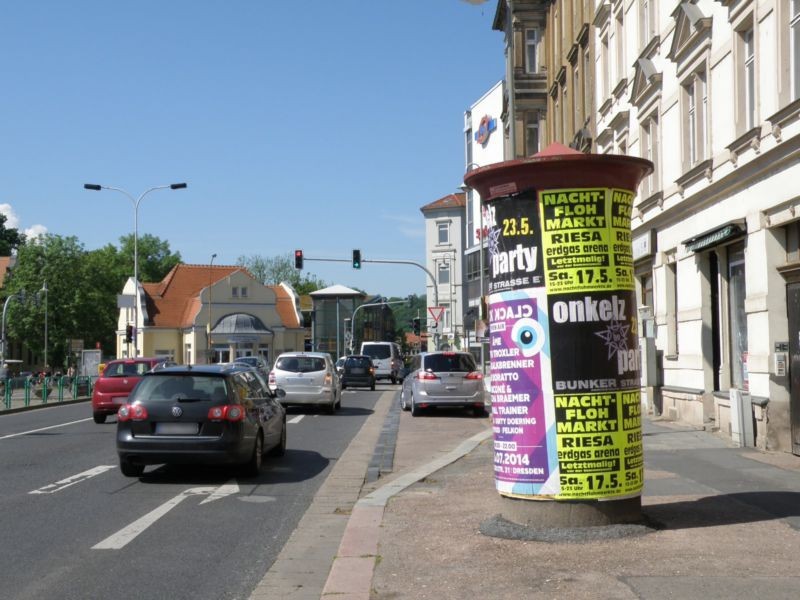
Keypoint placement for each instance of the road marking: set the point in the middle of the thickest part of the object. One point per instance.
(11, 435)
(296, 419)
(72, 480)
(129, 533)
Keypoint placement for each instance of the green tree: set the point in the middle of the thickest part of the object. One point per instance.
(58, 261)
(155, 257)
(414, 306)
(10, 238)
(280, 268)
(82, 290)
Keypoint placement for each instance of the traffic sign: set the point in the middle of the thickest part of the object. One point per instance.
(436, 312)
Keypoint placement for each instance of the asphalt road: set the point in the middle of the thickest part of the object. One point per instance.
(72, 526)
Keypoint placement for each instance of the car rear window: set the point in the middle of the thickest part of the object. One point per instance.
(379, 351)
(126, 369)
(447, 363)
(169, 388)
(358, 362)
(300, 364)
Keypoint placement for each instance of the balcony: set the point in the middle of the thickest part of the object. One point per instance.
(531, 86)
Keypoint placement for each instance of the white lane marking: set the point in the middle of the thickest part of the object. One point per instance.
(226, 489)
(129, 533)
(52, 488)
(11, 435)
(296, 419)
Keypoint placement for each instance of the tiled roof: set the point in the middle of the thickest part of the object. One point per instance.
(412, 338)
(5, 261)
(450, 201)
(174, 301)
(286, 307)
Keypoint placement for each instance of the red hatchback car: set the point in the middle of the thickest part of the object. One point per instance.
(117, 381)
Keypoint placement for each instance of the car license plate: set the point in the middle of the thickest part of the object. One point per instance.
(120, 400)
(177, 428)
(357, 371)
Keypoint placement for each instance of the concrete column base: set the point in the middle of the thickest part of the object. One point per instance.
(547, 514)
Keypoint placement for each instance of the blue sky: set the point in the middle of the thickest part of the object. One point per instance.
(317, 125)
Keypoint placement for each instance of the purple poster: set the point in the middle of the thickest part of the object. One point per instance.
(520, 384)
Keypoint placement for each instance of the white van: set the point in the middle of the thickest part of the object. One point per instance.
(386, 358)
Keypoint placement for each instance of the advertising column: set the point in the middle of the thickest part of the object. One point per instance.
(564, 352)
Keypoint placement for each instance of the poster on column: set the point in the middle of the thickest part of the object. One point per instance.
(522, 405)
(586, 239)
(514, 243)
(593, 331)
(564, 354)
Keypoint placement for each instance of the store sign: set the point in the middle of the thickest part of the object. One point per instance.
(485, 129)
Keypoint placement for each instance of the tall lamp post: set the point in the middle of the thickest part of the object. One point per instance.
(20, 297)
(135, 201)
(44, 289)
(210, 351)
(467, 190)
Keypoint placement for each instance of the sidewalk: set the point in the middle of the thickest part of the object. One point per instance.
(19, 403)
(723, 522)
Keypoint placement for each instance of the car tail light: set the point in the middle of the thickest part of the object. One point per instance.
(426, 375)
(272, 379)
(474, 375)
(131, 412)
(328, 379)
(228, 412)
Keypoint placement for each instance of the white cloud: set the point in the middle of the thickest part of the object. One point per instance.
(34, 232)
(12, 222)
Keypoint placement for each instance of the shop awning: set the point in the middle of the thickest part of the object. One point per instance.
(716, 236)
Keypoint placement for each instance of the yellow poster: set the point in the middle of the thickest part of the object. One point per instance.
(586, 239)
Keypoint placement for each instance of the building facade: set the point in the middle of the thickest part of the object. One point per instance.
(709, 91)
(444, 251)
(204, 313)
(484, 145)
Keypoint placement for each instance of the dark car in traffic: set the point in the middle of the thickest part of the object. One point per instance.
(200, 414)
(119, 377)
(358, 371)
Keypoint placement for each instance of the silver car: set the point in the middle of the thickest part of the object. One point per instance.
(307, 378)
(443, 379)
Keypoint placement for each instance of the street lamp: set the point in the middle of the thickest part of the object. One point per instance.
(20, 297)
(209, 352)
(467, 190)
(173, 186)
(44, 289)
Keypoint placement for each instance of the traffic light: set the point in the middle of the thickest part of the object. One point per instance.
(128, 334)
(416, 325)
(356, 259)
(298, 259)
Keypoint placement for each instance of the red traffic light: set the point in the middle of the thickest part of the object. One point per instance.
(298, 259)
